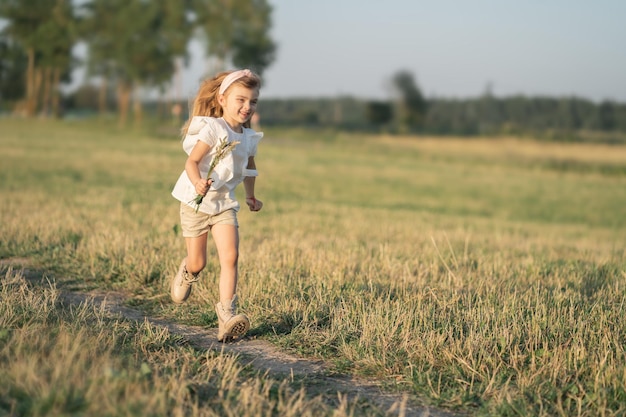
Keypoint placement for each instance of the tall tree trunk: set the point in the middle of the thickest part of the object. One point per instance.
(37, 82)
(137, 109)
(123, 101)
(31, 100)
(47, 87)
(56, 82)
(102, 97)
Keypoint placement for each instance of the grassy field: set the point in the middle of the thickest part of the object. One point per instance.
(486, 276)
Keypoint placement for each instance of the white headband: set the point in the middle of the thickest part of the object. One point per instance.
(232, 77)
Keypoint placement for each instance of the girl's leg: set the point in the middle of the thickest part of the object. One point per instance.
(230, 324)
(196, 253)
(226, 239)
(190, 267)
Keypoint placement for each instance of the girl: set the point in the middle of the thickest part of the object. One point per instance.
(221, 112)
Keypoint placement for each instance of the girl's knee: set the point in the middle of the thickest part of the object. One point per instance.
(229, 258)
(195, 265)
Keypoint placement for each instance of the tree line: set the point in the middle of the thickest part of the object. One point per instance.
(131, 45)
(408, 111)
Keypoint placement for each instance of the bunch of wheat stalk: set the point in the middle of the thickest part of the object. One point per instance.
(224, 147)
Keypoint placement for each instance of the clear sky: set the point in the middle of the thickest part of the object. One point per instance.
(454, 48)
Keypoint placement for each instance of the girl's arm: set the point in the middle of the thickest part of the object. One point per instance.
(192, 167)
(248, 184)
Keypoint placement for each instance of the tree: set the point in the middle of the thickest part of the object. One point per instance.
(606, 115)
(411, 105)
(134, 44)
(378, 113)
(13, 63)
(56, 61)
(43, 29)
(252, 45)
(490, 112)
(568, 114)
(236, 31)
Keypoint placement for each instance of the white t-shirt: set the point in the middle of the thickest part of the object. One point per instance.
(228, 173)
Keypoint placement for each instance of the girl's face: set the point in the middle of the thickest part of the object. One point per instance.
(238, 104)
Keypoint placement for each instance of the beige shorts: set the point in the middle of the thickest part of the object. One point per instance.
(196, 224)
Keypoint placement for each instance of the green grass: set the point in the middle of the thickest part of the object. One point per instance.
(482, 275)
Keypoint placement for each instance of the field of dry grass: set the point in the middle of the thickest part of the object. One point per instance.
(485, 276)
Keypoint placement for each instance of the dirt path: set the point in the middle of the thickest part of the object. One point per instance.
(263, 356)
(259, 354)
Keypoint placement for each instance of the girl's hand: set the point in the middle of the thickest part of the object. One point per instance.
(254, 204)
(202, 186)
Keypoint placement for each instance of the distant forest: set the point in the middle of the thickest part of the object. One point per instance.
(554, 118)
(548, 118)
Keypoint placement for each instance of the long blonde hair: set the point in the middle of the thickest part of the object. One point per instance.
(206, 104)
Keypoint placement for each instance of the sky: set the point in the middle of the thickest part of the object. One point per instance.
(453, 48)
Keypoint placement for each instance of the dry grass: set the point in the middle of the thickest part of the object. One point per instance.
(79, 361)
(481, 275)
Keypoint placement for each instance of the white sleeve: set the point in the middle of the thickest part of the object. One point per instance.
(211, 133)
(253, 142)
(205, 129)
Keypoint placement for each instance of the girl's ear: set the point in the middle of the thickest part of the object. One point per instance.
(221, 99)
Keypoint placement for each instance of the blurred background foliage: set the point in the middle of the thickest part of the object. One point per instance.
(134, 46)
(131, 44)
